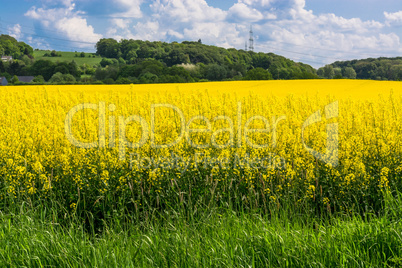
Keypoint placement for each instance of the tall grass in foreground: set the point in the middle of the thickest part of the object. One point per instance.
(34, 238)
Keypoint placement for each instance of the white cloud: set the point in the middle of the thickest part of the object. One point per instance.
(180, 19)
(393, 18)
(149, 30)
(300, 34)
(68, 23)
(285, 27)
(335, 23)
(389, 41)
(174, 34)
(121, 23)
(193, 20)
(241, 12)
(132, 7)
(38, 43)
(262, 3)
(15, 31)
(278, 8)
(187, 11)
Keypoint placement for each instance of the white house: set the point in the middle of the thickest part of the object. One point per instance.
(6, 58)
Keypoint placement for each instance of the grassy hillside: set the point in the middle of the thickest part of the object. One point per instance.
(69, 56)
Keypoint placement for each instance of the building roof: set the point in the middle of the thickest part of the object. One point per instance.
(26, 79)
(3, 81)
(6, 58)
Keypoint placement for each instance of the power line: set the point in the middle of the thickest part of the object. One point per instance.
(317, 56)
(300, 53)
(251, 44)
(251, 37)
(305, 54)
(33, 28)
(55, 38)
(45, 30)
(331, 50)
(72, 49)
(51, 41)
(251, 48)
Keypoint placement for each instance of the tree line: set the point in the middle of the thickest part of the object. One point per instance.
(136, 61)
(371, 68)
(193, 61)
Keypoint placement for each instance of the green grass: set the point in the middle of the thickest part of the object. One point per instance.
(34, 237)
(69, 56)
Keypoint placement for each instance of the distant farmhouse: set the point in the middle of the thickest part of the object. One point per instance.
(23, 79)
(26, 79)
(6, 58)
(3, 81)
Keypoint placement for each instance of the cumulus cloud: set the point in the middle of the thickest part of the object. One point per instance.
(300, 34)
(132, 8)
(149, 30)
(393, 18)
(68, 22)
(175, 20)
(186, 11)
(195, 19)
(285, 27)
(261, 3)
(120, 23)
(15, 31)
(281, 9)
(241, 12)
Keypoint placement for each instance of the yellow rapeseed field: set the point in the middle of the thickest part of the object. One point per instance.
(333, 143)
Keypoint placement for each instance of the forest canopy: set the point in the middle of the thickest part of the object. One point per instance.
(137, 61)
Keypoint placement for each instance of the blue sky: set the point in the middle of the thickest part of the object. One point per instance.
(315, 32)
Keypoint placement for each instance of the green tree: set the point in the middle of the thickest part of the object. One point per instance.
(57, 78)
(26, 60)
(9, 46)
(258, 74)
(44, 68)
(14, 80)
(61, 67)
(2, 67)
(349, 72)
(108, 48)
(337, 73)
(366, 69)
(396, 72)
(327, 72)
(105, 62)
(215, 72)
(69, 79)
(54, 53)
(148, 78)
(39, 80)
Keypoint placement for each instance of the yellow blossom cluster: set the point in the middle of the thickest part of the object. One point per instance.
(71, 142)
